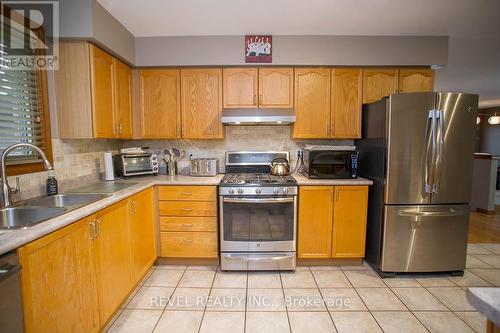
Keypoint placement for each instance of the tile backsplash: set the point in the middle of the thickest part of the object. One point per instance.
(79, 162)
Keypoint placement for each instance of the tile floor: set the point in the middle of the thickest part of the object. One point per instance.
(312, 299)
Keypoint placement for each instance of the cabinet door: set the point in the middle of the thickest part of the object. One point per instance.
(379, 82)
(276, 87)
(201, 100)
(312, 103)
(349, 221)
(123, 99)
(160, 95)
(346, 102)
(58, 281)
(102, 74)
(315, 221)
(142, 233)
(240, 87)
(112, 256)
(416, 80)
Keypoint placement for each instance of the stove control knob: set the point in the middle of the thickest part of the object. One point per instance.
(240, 191)
(276, 190)
(285, 190)
(231, 191)
(258, 190)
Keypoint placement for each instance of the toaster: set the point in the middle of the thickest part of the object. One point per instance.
(204, 167)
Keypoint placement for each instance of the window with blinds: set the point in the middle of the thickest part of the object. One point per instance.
(21, 111)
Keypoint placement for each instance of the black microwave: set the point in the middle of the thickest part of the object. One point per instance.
(334, 164)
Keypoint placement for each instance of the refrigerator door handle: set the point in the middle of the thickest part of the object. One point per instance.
(420, 213)
(430, 148)
(439, 150)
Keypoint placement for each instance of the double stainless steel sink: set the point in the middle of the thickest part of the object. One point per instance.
(33, 211)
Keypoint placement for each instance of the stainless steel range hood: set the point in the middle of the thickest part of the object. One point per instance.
(258, 116)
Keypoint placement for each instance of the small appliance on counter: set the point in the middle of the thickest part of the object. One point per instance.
(203, 167)
(127, 164)
(334, 162)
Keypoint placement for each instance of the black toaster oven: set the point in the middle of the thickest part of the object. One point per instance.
(334, 164)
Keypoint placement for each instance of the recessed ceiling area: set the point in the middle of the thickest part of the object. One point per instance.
(312, 17)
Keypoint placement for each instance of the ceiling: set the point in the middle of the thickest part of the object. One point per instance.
(312, 17)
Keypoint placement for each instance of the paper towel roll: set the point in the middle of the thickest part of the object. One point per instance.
(109, 171)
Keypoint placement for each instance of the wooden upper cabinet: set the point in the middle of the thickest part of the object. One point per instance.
(346, 102)
(416, 80)
(123, 99)
(240, 87)
(58, 269)
(201, 100)
(102, 73)
(379, 82)
(315, 221)
(160, 103)
(312, 103)
(349, 221)
(275, 87)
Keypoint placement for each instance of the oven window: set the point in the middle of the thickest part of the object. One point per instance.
(258, 222)
(137, 164)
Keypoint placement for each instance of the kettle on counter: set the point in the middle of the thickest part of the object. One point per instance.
(280, 167)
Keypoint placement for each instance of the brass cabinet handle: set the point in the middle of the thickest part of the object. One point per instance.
(98, 227)
(337, 193)
(187, 209)
(133, 208)
(260, 99)
(187, 241)
(187, 194)
(187, 225)
(255, 99)
(93, 234)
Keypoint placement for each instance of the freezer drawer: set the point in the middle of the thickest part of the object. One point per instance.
(424, 238)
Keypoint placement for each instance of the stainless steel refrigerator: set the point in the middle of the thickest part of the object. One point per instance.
(418, 150)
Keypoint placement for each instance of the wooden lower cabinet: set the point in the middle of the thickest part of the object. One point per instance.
(142, 233)
(188, 221)
(74, 279)
(349, 221)
(58, 281)
(332, 221)
(112, 258)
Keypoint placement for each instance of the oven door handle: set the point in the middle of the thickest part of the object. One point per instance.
(245, 258)
(259, 200)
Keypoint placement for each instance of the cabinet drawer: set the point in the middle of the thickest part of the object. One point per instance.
(187, 208)
(176, 223)
(187, 193)
(188, 244)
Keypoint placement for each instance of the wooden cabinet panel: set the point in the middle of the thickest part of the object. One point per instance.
(276, 87)
(187, 208)
(178, 223)
(187, 193)
(73, 91)
(160, 105)
(416, 80)
(240, 87)
(312, 103)
(142, 233)
(315, 221)
(112, 258)
(379, 82)
(346, 102)
(102, 73)
(123, 99)
(201, 100)
(189, 244)
(349, 221)
(58, 281)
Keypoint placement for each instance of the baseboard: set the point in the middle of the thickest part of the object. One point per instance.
(330, 262)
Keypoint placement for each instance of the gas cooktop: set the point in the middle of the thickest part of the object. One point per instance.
(257, 179)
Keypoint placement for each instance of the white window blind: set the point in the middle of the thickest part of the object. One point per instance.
(21, 111)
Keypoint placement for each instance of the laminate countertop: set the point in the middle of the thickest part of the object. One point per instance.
(12, 239)
(487, 301)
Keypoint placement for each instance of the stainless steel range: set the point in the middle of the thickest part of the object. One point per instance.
(258, 214)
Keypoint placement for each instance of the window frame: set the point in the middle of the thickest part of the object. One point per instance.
(25, 168)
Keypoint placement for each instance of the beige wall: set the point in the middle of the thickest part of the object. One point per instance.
(294, 50)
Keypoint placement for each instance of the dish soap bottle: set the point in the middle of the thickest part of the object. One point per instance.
(51, 185)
